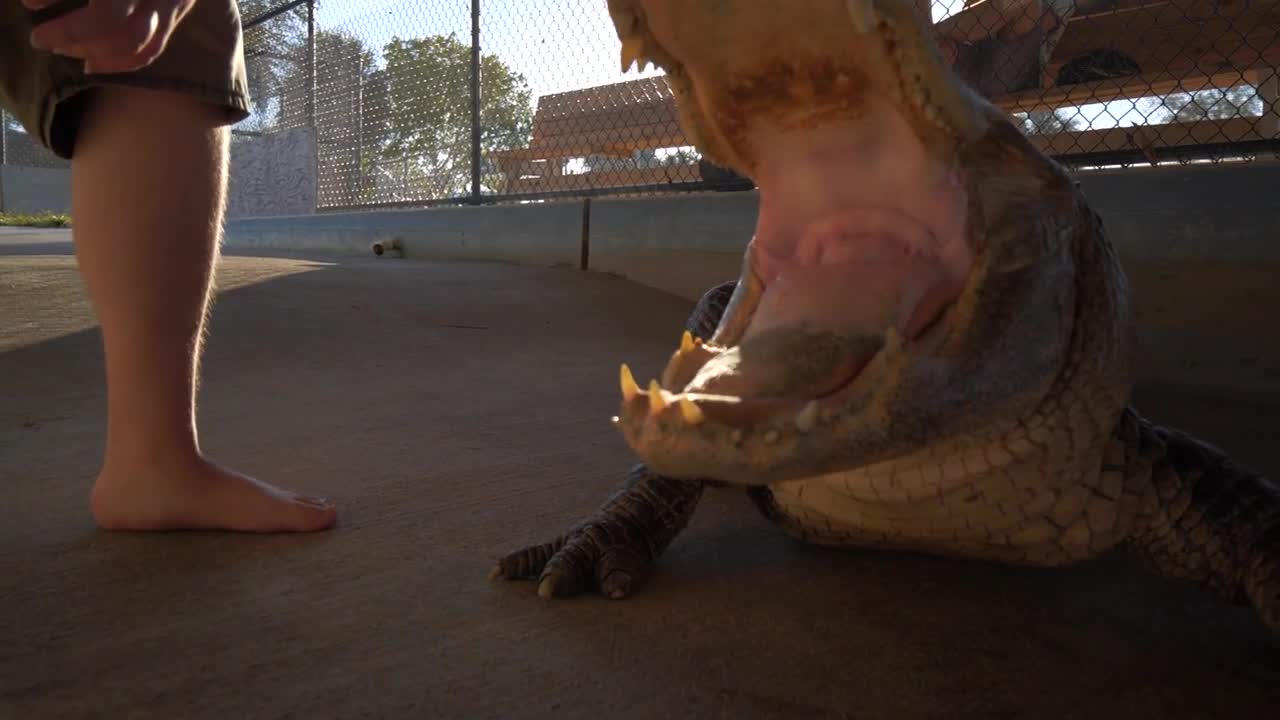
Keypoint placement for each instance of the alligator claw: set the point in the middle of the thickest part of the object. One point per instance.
(581, 562)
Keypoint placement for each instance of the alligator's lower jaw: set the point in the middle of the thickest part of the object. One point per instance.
(746, 439)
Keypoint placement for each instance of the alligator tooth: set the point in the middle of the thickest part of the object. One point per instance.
(686, 342)
(632, 48)
(771, 436)
(862, 14)
(691, 413)
(657, 403)
(808, 417)
(628, 381)
(736, 436)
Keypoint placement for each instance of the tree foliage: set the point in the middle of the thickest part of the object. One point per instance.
(1049, 122)
(269, 50)
(1211, 104)
(398, 118)
(425, 105)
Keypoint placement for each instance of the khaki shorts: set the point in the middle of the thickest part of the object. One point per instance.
(204, 59)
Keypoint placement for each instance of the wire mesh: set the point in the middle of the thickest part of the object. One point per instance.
(593, 126)
(1090, 82)
(1123, 81)
(17, 147)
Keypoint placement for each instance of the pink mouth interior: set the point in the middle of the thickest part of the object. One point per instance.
(861, 272)
(860, 230)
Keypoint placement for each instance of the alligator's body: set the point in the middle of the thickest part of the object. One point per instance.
(931, 345)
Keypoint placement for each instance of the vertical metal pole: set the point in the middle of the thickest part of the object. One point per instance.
(475, 102)
(311, 63)
(1269, 93)
(4, 133)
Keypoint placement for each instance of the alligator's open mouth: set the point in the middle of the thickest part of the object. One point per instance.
(863, 241)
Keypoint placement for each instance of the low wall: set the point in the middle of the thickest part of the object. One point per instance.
(34, 189)
(682, 245)
(1199, 244)
(273, 174)
(547, 234)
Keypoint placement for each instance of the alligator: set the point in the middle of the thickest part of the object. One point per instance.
(931, 345)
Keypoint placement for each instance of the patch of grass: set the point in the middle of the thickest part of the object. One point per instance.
(39, 220)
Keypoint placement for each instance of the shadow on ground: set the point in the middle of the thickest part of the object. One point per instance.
(456, 412)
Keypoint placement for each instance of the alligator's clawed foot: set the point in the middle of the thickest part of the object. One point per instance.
(613, 549)
(600, 554)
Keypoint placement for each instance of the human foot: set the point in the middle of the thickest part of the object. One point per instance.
(200, 495)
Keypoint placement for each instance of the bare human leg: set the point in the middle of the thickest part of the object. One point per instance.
(148, 190)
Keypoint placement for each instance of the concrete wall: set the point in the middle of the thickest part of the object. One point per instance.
(35, 189)
(1200, 245)
(1206, 212)
(1201, 248)
(545, 234)
(682, 245)
(273, 174)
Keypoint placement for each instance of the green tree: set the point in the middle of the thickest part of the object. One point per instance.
(1051, 122)
(683, 156)
(399, 127)
(1211, 104)
(271, 49)
(425, 111)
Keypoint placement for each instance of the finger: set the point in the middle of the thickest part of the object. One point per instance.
(137, 45)
(75, 51)
(98, 19)
(127, 60)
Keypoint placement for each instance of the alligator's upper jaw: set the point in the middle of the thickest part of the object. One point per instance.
(842, 115)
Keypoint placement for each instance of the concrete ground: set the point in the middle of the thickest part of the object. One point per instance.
(458, 411)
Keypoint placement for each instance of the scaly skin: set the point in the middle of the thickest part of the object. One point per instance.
(938, 358)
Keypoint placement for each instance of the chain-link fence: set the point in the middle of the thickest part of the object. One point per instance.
(420, 102)
(399, 121)
(1124, 81)
(19, 148)
(417, 102)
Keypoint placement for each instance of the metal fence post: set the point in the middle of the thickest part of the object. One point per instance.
(4, 132)
(475, 102)
(311, 63)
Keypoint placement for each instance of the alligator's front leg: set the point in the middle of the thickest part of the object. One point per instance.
(1202, 517)
(613, 549)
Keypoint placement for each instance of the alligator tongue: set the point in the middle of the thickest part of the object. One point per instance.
(817, 326)
(786, 363)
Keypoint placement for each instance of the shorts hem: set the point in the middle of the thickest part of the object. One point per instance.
(235, 103)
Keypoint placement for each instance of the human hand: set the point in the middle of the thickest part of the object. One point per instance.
(110, 36)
